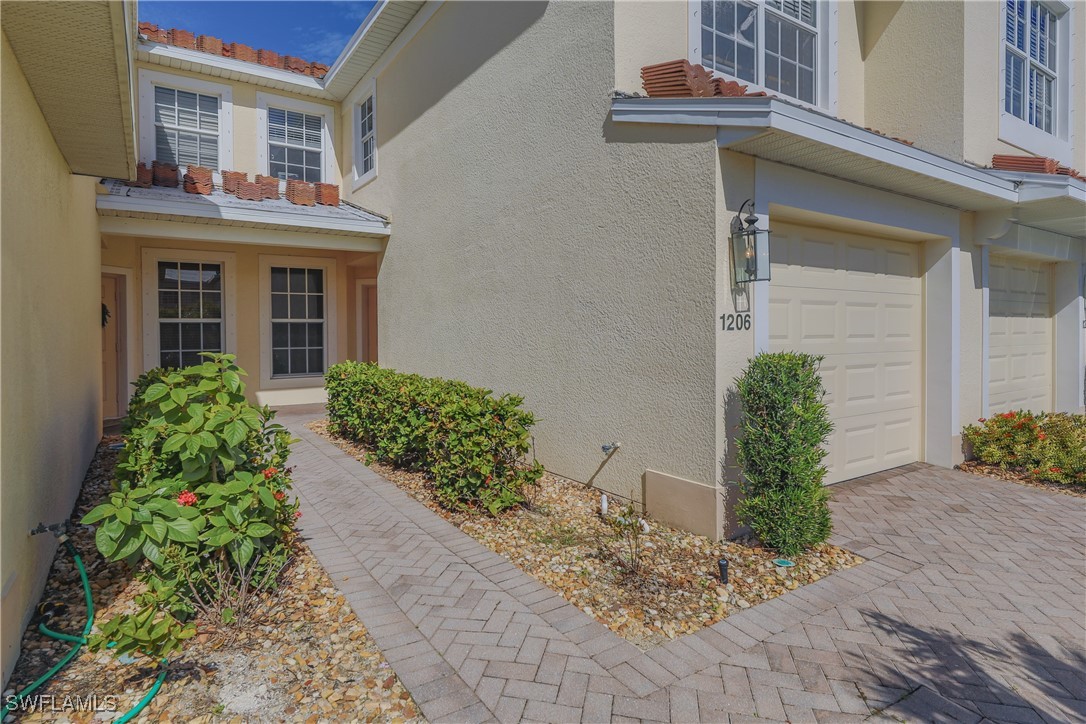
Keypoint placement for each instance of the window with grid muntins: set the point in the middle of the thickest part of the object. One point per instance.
(189, 312)
(367, 138)
(773, 43)
(294, 145)
(297, 318)
(1030, 75)
(186, 127)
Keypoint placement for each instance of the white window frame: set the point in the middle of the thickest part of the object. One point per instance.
(361, 178)
(1021, 133)
(825, 55)
(148, 79)
(149, 273)
(331, 303)
(326, 113)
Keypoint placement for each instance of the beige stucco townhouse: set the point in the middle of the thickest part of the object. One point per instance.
(515, 215)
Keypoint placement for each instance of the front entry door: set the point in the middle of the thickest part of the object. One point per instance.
(111, 350)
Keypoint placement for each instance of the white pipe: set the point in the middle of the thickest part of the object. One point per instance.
(603, 506)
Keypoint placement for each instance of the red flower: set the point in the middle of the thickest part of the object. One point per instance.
(269, 473)
(1035, 471)
(981, 419)
(1007, 415)
(279, 495)
(187, 498)
(1041, 436)
(297, 514)
(1055, 469)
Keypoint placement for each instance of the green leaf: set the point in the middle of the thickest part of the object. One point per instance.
(234, 432)
(124, 515)
(129, 546)
(228, 615)
(156, 529)
(259, 530)
(218, 537)
(153, 552)
(98, 513)
(155, 391)
(179, 395)
(174, 442)
(242, 550)
(266, 496)
(231, 380)
(106, 544)
(182, 531)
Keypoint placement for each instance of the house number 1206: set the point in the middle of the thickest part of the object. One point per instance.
(735, 322)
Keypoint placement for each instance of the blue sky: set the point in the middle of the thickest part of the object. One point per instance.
(310, 29)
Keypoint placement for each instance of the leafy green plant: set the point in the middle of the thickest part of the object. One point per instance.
(474, 445)
(201, 495)
(785, 426)
(1049, 447)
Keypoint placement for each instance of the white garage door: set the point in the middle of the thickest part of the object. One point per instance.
(1019, 335)
(856, 301)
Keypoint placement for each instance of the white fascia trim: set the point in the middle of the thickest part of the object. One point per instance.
(267, 218)
(356, 39)
(762, 114)
(185, 231)
(163, 54)
(327, 114)
(1044, 186)
(147, 81)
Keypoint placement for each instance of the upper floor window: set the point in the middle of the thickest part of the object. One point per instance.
(367, 143)
(1031, 72)
(773, 44)
(295, 145)
(186, 127)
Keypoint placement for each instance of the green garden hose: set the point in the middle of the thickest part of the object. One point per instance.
(79, 642)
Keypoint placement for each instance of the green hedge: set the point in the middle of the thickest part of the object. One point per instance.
(474, 445)
(785, 428)
(1048, 447)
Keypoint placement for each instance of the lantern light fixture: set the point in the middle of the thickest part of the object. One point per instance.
(750, 247)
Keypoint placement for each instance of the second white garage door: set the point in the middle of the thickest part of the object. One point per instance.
(855, 300)
(1019, 336)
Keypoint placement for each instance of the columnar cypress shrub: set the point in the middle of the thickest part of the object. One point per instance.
(473, 444)
(785, 426)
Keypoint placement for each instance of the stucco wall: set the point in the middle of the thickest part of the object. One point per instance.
(246, 296)
(539, 248)
(244, 99)
(913, 85)
(50, 339)
(648, 32)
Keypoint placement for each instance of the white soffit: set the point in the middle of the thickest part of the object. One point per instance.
(77, 58)
(1050, 202)
(377, 32)
(778, 131)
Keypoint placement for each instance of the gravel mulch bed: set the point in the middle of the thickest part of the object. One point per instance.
(1020, 476)
(305, 657)
(564, 543)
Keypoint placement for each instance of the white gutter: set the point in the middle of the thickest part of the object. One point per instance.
(280, 217)
(1045, 186)
(742, 119)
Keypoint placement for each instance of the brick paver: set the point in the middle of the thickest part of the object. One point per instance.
(970, 607)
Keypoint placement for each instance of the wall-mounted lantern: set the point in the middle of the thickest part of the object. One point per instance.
(750, 247)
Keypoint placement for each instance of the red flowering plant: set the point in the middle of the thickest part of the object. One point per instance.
(200, 504)
(1049, 447)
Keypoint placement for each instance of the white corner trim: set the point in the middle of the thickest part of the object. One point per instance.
(132, 352)
(327, 114)
(985, 331)
(331, 327)
(361, 318)
(148, 79)
(150, 258)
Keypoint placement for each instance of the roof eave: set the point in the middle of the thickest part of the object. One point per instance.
(184, 59)
(740, 120)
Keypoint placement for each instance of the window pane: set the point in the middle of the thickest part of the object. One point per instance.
(706, 50)
(312, 175)
(212, 277)
(190, 276)
(280, 362)
(298, 362)
(212, 337)
(745, 61)
(280, 335)
(170, 359)
(297, 280)
(1013, 86)
(280, 306)
(316, 360)
(168, 305)
(315, 334)
(746, 22)
(298, 334)
(806, 85)
(190, 336)
(277, 170)
(169, 336)
(190, 305)
(297, 306)
(188, 359)
(316, 280)
(212, 305)
(279, 278)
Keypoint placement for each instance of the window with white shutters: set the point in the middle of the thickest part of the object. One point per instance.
(773, 44)
(186, 127)
(1030, 74)
(295, 144)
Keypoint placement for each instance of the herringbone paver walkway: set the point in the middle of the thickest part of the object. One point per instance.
(970, 607)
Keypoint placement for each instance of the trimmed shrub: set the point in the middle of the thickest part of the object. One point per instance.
(201, 495)
(1048, 447)
(785, 426)
(472, 444)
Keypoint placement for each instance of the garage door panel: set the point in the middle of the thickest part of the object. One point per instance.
(855, 301)
(1019, 335)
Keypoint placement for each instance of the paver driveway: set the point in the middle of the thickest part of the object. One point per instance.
(969, 607)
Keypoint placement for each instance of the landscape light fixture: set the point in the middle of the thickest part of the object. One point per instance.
(750, 247)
